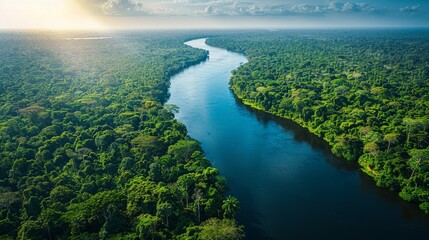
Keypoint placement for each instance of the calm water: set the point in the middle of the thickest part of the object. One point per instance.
(288, 183)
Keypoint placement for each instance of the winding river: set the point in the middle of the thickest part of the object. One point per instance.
(288, 183)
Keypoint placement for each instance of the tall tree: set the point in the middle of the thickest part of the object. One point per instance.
(198, 195)
(230, 206)
(418, 158)
(391, 138)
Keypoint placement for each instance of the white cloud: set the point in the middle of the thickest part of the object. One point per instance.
(351, 7)
(209, 10)
(348, 7)
(227, 7)
(308, 9)
(410, 9)
(335, 6)
(119, 7)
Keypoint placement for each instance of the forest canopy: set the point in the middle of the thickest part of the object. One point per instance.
(366, 92)
(88, 150)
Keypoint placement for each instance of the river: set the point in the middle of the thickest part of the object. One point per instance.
(288, 183)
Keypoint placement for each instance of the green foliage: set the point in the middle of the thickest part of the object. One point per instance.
(225, 229)
(230, 206)
(365, 92)
(87, 148)
(146, 226)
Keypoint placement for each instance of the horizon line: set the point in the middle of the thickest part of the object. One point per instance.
(213, 29)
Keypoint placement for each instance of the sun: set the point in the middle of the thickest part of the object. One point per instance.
(46, 14)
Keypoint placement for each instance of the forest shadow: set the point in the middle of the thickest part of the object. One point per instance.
(367, 185)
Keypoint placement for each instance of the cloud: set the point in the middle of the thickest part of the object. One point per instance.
(410, 9)
(115, 7)
(351, 7)
(334, 7)
(209, 10)
(308, 9)
(357, 7)
(227, 7)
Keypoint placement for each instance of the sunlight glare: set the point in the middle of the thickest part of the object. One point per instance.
(46, 14)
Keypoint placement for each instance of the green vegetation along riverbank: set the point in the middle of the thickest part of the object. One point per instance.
(89, 150)
(366, 92)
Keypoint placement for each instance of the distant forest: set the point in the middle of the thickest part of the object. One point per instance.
(365, 92)
(88, 148)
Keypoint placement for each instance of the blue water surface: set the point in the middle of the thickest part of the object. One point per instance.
(288, 183)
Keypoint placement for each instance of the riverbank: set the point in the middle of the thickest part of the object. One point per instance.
(362, 112)
(280, 173)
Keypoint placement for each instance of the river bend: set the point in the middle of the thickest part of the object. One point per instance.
(288, 183)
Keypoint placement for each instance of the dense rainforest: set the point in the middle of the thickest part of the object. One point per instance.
(366, 92)
(90, 150)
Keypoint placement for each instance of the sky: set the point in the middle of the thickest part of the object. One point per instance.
(220, 14)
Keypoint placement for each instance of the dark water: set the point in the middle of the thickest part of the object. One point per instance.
(288, 183)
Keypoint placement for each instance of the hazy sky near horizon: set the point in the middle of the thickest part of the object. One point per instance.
(150, 14)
